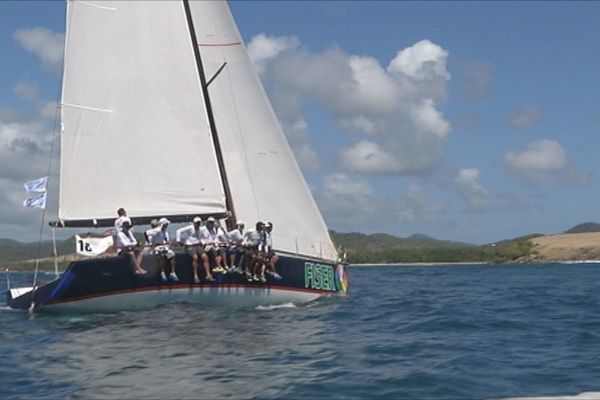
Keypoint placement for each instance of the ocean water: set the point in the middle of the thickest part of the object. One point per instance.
(418, 332)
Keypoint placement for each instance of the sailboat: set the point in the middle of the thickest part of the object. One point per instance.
(163, 113)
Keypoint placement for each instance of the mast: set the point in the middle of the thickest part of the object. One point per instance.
(211, 119)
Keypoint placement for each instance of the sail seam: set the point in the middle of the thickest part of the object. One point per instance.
(97, 6)
(219, 44)
(86, 107)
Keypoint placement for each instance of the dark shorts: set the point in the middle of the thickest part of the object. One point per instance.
(191, 250)
(127, 252)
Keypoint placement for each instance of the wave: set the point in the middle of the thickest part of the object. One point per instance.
(276, 306)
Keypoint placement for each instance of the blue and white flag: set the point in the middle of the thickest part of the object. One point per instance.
(38, 185)
(37, 201)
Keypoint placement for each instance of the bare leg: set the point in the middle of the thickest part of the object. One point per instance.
(195, 266)
(135, 259)
(272, 263)
(206, 266)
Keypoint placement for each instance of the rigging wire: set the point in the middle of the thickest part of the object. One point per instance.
(44, 214)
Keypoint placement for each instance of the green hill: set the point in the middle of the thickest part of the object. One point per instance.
(585, 227)
(384, 248)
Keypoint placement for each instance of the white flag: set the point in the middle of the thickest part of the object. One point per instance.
(37, 201)
(39, 185)
(92, 246)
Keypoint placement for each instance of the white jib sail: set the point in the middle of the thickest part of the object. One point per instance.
(264, 177)
(135, 131)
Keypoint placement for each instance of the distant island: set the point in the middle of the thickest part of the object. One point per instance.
(579, 243)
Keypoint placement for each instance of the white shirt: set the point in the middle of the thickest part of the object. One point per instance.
(191, 235)
(253, 238)
(268, 241)
(149, 234)
(236, 237)
(125, 239)
(212, 236)
(119, 223)
(159, 236)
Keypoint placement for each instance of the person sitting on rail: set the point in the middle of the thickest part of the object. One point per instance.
(212, 237)
(253, 243)
(222, 246)
(128, 246)
(190, 236)
(122, 217)
(236, 250)
(270, 256)
(148, 235)
(161, 249)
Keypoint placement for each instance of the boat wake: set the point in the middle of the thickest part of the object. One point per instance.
(275, 306)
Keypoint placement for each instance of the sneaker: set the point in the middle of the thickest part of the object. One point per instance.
(218, 269)
(269, 272)
(163, 277)
(210, 279)
(249, 278)
(174, 276)
(263, 279)
(196, 279)
(255, 278)
(276, 275)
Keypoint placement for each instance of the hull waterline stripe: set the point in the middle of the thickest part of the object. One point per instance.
(189, 286)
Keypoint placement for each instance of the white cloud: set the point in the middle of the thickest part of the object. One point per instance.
(524, 117)
(396, 106)
(263, 48)
(24, 155)
(467, 184)
(49, 110)
(415, 206)
(428, 119)
(27, 91)
(346, 202)
(544, 162)
(46, 45)
(423, 60)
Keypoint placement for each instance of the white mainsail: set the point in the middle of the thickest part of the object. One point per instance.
(135, 131)
(265, 180)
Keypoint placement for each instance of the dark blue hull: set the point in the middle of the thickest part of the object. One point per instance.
(109, 284)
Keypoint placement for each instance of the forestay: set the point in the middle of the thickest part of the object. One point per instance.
(135, 132)
(265, 180)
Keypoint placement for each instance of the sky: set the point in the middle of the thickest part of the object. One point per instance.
(467, 121)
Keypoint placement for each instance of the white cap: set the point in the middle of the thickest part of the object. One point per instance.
(210, 219)
(163, 221)
(240, 223)
(197, 219)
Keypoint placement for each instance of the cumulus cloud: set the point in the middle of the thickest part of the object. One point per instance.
(347, 202)
(524, 117)
(24, 155)
(395, 106)
(468, 187)
(544, 162)
(262, 48)
(27, 91)
(48, 46)
(415, 206)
